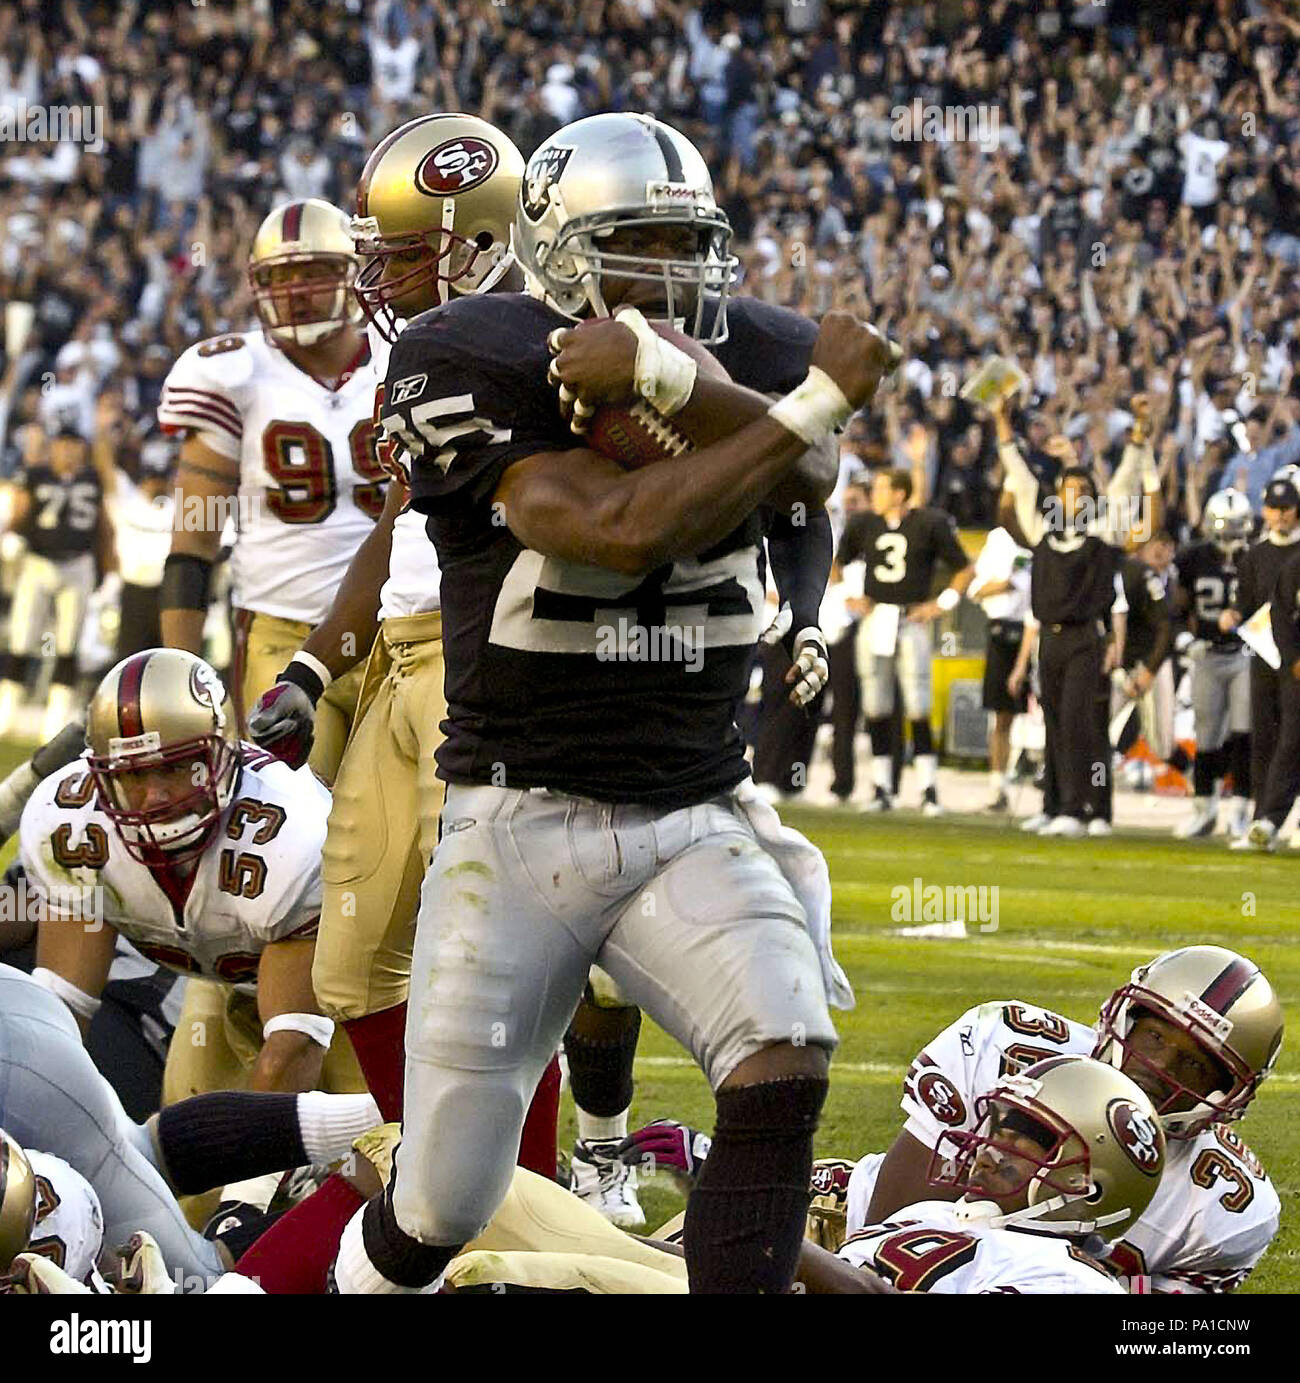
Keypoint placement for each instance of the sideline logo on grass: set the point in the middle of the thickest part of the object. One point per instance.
(944, 909)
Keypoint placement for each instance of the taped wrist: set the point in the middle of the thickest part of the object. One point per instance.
(813, 410)
(204, 1141)
(186, 582)
(309, 674)
(82, 1004)
(313, 1025)
(665, 374)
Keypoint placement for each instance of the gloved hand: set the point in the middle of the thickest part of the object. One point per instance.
(666, 1146)
(284, 723)
(143, 1269)
(810, 668)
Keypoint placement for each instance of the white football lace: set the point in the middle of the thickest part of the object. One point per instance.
(659, 428)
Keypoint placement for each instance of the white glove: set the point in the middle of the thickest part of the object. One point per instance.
(144, 1270)
(811, 670)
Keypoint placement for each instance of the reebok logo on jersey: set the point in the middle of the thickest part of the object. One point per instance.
(407, 389)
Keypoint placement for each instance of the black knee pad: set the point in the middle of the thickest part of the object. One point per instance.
(775, 1109)
(600, 1047)
(227, 1136)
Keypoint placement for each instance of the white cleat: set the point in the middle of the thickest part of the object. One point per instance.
(1238, 816)
(1202, 822)
(1099, 826)
(1031, 825)
(881, 802)
(930, 803)
(606, 1184)
(1262, 835)
(1069, 827)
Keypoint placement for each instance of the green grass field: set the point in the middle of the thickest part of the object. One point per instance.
(1074, 917)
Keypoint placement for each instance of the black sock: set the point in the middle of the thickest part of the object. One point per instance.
(1206, 771)
(882, 744)
(1239, 763)
(600, 1048)
(404, 1261)
(922, 738)
(209, 1140)
(745, 1218)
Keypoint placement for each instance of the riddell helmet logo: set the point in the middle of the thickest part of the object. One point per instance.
(1137, 1134)
(455, 166)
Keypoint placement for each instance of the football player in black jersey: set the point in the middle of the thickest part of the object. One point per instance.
(1220, 665)
(595, 810)
(1257, 574)
(901, 546)
(58, 510)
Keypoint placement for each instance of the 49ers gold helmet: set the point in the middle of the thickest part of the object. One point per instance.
(1219, 999)
(1102, 1155)
(306, 307)
(17, 1200)
(164, 753)
(435, 204)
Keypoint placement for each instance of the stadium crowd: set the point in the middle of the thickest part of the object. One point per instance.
(1120, 217)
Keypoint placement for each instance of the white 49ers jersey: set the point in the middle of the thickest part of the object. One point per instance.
(310, 481)
(257, 882)
(932, 1247)
(1214, 1213)
(69, 1228)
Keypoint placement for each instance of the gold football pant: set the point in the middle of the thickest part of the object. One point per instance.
(264, 644)
(218, 1037)
(544, 1236)
(384, 824)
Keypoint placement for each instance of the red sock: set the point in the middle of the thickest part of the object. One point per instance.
(538, 1142)
(379, 1040)
(293, 1257)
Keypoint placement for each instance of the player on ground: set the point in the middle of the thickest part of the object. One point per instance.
(1067, 1151)
(1198, 1029)
(1220, 665)
(434, 207)
(543, 546)
(202, 852)
(278, 425)
(901, 545)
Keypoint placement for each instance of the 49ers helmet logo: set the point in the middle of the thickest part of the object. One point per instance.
(1136, 1133)
(455, 166)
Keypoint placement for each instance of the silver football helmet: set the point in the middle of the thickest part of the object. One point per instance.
(1228, 519)
(1291, 473)
(609, 172)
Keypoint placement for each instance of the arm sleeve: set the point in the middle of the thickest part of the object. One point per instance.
(852, 545)
(1020, 484)
(1245, 601)
(948, 544)
(801, 562)
(1160, 615)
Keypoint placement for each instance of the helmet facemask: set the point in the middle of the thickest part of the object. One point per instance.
(290, 311)
(177, 830)
(981, 1165)
(1208, 1029)
(573, 269)
(447, 263)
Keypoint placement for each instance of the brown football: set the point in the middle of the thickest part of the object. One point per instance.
(635, 434)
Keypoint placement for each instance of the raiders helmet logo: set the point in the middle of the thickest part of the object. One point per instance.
(1137, 1134)
(544, 168)
(455, 166)
(937, 1093)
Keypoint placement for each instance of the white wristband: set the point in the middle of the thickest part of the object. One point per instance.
(81, 1003)
(814, 410)
(314, 1025)
(314, 665)
(947, 599)
(665, 374)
